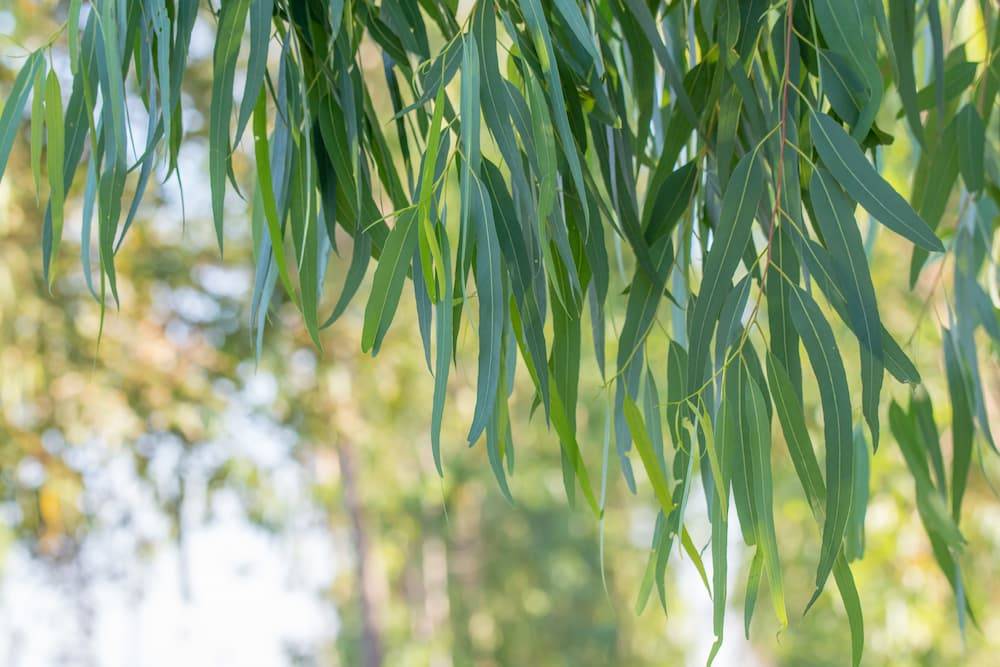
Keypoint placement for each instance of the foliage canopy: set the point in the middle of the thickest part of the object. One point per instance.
(717, 147)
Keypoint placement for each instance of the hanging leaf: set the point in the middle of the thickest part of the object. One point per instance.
(971, 147)
(835, 217)
(55, 155)
(828, 368)
(679, 126)
(792, 418)
(232, 19)
(738, 208)
(844, 159)
(387, 285)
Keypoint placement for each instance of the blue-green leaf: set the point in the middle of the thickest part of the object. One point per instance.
(260, 37)
(790, 414)
(489, 283)
(835, 217)
(232, 19)
(843, 157)
(821, 347)
(739, 205)
(55, 152)
(971, 147)
(387, 284)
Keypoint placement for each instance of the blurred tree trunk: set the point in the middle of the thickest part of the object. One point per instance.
(371, 639)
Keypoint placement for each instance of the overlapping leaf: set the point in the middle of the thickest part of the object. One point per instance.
(695, 149)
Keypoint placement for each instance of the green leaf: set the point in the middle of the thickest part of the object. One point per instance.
(112, 179)
(443, 352)
(959, 390)
(537, 26)
(854, 544)
(902, 22)
(14, 106)
(162, 29)
(641, 13)
(793, 425)
(821, 267)
(843, 86)
(858, 177)
(55, 156)
(37, 128)
(489, 284)
(73, 35)
(645, 448)
(260, 37)
(430, 251)
(571, 14)
(470, 139)
(821, 347)
(923, 416)
(934, 179)
(958, 78)
(944, 536)
(835, 217)
(753, 587)
(971, 147)
(232, 19)
(643, 301)
(792, 417)
(724, 424)
(666, 204)
(848, 26)
(937, 46)
(739, 204)
(387, 284)
(265, 185)
(759, 432)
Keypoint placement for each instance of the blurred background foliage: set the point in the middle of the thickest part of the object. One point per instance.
(425, 571)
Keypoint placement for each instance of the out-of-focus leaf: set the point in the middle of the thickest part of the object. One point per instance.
(73, 34)
(934, 179)
(55, 152)
(902, 22)
(37, 128)
(961, 422)
(14, 105)
(854, 543)
(937, 46)
(958, 78)
(971, 147)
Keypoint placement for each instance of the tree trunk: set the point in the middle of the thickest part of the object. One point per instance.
(371, 640)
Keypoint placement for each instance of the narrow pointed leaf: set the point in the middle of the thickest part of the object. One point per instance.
(739, 205)
(843, 157)
(828, 368)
